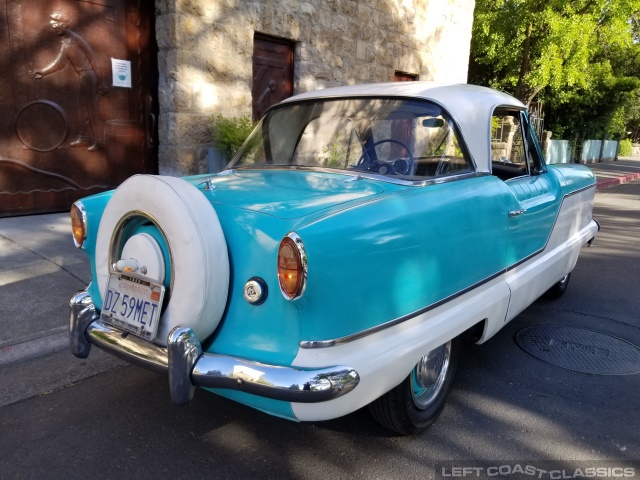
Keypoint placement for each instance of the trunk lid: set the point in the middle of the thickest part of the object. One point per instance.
(289, 194)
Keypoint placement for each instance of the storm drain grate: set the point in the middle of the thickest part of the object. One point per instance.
(580, 350)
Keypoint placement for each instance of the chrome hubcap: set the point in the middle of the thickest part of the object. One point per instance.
(427, 378)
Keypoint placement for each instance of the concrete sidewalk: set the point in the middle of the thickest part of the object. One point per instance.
(40, 269)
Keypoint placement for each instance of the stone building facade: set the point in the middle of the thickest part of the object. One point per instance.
(206, 56)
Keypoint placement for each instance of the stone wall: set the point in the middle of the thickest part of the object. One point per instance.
(206, 48)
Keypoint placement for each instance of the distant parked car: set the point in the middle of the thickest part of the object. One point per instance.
(336, 262)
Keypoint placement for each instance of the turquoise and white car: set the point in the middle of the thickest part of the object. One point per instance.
(339, 258)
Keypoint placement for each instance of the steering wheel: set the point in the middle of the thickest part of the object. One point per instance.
(400, 166)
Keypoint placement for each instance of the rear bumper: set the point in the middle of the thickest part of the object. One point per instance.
(187, 366)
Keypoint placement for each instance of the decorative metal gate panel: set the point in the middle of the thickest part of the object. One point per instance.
(66, 130)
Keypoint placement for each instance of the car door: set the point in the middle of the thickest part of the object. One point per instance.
(532, 199)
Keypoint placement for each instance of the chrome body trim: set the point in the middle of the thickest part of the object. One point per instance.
(363, 333)
(391, 323)
(280, 383)
(127, 346)
(83, 312)
(305, 268)
(515, 213)
(116, 245)
(83, 212)
(184, 350)
(575, 192)
(187, 366)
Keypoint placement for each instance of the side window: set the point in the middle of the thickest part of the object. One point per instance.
(514, 151)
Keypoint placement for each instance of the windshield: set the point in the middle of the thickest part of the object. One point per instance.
(400, 138)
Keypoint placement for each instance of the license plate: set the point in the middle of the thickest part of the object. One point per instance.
(133, 303)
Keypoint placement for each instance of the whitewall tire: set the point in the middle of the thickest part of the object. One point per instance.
(199, 263)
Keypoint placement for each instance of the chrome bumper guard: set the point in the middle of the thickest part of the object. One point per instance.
(188, 367)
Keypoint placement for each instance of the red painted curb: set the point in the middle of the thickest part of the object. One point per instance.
(612, 182)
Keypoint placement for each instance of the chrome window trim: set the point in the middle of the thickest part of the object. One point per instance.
(514, 178)
(371, 176)
(307, 344)
(514, 109)
(462, 141)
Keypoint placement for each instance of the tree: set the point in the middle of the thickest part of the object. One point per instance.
(579, 57)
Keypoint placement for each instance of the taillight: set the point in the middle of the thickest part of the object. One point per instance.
(292, 266)
(78, 224)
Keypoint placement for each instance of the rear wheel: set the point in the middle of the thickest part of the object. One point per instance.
(411, 407)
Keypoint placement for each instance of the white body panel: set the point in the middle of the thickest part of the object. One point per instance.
(385, 358)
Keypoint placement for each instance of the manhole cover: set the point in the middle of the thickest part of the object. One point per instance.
(580, 350)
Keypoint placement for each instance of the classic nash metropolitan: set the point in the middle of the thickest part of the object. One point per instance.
(337, 261)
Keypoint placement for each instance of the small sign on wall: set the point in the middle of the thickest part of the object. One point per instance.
(121, 73)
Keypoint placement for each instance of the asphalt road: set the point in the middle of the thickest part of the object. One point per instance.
(506, 406)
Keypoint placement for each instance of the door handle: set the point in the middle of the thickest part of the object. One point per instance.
(515, 213)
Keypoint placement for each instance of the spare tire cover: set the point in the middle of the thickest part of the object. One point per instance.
(199, 263)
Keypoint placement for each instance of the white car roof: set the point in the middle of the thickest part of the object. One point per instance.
(470, 106)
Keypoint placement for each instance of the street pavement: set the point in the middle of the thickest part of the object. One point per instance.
(506, 406)
(39, 271)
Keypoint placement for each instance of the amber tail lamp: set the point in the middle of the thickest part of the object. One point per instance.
(78, 224)
(292, 266)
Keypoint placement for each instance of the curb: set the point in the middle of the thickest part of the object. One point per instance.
(612, 182)
(29, 348)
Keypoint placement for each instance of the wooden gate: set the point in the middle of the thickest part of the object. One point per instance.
(76, 117)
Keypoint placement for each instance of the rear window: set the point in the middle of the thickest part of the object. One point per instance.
(405, 139)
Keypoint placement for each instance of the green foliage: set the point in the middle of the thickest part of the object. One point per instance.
(229, 133)
(580, 58)
(333, 155)
(495, 125)
(625, 148)
(632, 117)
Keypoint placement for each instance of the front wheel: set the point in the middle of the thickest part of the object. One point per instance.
(411, 407)
(558, 289)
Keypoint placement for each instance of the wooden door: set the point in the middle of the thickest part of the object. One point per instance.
(405, 77)
(272, 73)
(65, 130)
